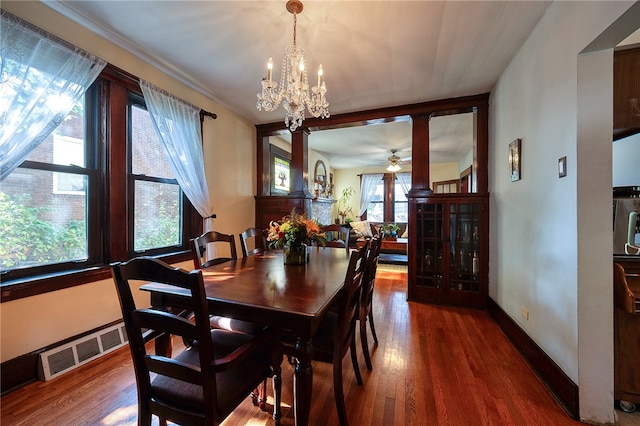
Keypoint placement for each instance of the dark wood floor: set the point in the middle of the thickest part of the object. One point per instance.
(434, 366)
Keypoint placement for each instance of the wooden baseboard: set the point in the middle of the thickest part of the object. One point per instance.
(24, 369)
(19, 371)
(558, 383)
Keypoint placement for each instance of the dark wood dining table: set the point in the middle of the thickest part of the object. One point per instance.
(261, 289)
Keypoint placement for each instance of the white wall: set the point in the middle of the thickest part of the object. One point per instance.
(549, 237)
(230, 161)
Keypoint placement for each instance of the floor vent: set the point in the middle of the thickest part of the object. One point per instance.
(64, 358)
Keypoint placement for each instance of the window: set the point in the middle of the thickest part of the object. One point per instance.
(389, 202)
(95, 191)
(157, 211)
(400, 204)
(46, 202)
(375, 211)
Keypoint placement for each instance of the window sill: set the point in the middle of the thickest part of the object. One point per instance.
(32, 286)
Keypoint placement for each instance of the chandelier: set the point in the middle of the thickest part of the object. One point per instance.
(393, 162)
(293, 90)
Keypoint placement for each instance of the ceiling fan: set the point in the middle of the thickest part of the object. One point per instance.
(394, 162)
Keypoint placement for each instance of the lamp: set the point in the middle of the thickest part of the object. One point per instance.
(293, 91)
(393, 162)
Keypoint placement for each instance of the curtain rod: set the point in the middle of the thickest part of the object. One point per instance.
(204, 113)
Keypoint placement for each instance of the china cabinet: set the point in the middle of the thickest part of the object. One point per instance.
(449, 256)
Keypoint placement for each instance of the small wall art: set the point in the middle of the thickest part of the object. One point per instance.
(514, 160)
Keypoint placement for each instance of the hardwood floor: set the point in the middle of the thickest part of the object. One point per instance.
(434, 365)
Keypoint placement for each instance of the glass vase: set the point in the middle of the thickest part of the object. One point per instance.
(295, 255)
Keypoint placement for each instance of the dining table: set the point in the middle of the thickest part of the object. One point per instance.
(263, 290)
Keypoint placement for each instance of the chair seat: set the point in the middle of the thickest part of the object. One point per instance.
(238, 380)
(230, 324)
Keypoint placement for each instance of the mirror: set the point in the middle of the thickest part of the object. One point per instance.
(452, 152)
(320, 179)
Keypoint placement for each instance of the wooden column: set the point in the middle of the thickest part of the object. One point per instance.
(263, 174)
(420, 153)
(299, 163)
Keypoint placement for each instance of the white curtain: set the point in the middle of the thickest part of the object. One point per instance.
(177, 124)
(404, 179)
(368, 190)
(42, 78)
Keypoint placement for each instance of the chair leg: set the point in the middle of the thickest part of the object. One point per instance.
(255, 397)
(339, 394)
(373, 327)
(365, 344)
(354, 361)
(277, 396)
(263, 395)
(144, 419)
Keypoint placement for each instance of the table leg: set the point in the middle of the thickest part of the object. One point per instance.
(302, 382)
(164, 345)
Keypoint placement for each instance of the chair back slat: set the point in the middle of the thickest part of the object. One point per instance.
(171, 368)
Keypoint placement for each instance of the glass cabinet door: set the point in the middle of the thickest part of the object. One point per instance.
(430, 242)
(464, 222)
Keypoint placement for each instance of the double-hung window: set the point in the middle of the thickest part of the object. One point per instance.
(157, 199)
(389, 202)
(47, 204)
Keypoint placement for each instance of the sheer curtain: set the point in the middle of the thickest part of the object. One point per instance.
(42, 78)
(368, 190)
(177, 124)
(405, 181)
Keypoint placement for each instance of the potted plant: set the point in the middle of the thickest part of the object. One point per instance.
(343, 207)
(390, 230)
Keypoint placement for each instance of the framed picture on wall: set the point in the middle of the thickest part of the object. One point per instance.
(514, 160)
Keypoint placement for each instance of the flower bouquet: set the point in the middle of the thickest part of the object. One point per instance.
(294, 234)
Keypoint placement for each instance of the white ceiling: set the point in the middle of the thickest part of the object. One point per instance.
(374, 53)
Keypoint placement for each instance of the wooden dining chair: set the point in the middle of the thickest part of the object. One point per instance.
(366, 299)
(259, 241)
(337, 235)
(199, 249)
(336, 333)
(198, 253)
(204, 383)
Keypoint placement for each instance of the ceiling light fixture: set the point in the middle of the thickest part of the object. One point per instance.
(294, 86)
(393, 162)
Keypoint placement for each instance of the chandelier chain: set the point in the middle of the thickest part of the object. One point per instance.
(295, 24)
